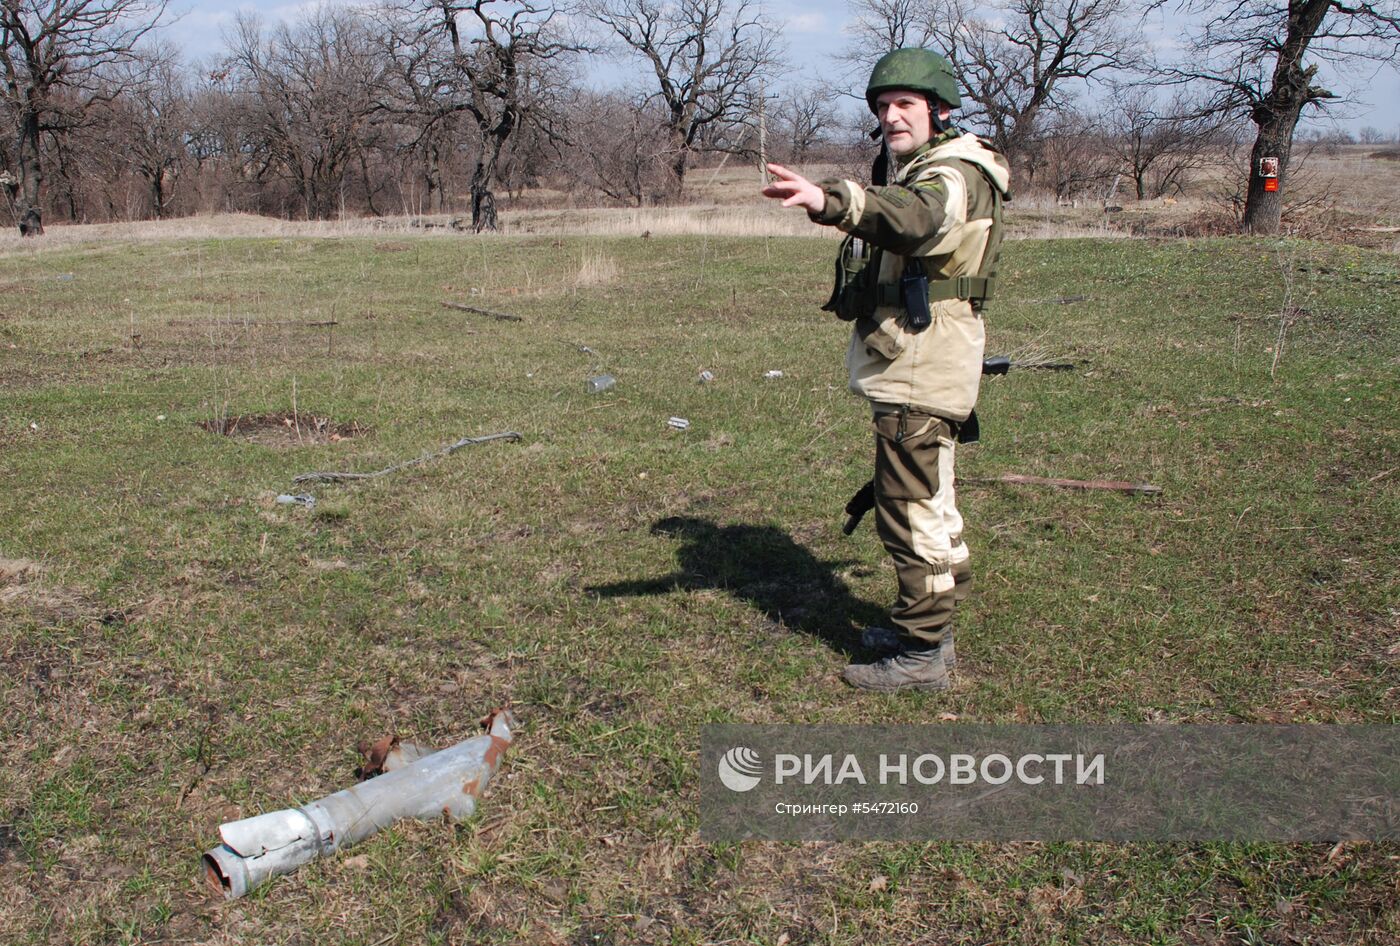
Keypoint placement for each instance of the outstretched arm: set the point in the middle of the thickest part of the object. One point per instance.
(898, 218)
(794, 190)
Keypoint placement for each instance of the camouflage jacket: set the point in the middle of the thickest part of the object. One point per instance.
(939, 208)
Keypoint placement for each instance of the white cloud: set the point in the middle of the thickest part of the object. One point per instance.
(807, 23)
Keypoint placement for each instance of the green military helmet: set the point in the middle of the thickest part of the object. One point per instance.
(919, 70)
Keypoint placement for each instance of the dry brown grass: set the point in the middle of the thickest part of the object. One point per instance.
(1353, 196)
(693, 220)
(595, 269)
(25, 592)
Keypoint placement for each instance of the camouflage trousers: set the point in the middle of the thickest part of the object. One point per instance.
(917, 519)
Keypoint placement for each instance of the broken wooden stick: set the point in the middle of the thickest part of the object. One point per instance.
(503, 316)
(1118, 486)
(450, 448)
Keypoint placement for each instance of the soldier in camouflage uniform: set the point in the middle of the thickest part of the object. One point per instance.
(913, 274)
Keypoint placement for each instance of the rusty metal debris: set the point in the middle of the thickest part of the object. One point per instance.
(450, 448)
(446, 783)
(389, 754)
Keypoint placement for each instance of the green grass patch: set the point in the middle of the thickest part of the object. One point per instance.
(180, 649)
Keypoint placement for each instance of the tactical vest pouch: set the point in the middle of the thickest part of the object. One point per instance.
(913, 291)
(857, 267)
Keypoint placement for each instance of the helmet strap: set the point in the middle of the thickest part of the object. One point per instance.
(936, 122)
(880, 170)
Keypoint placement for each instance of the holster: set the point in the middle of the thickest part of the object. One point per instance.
(861, 503)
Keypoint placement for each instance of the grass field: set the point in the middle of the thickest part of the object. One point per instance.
(180, 650)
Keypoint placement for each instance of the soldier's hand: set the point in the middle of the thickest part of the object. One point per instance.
(794, 190)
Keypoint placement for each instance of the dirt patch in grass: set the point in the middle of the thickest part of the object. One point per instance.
(284, 430)
(23, 590)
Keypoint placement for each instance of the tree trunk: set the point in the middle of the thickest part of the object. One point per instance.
(1263, 210)
(483, 202)
(157, 184)
(1276, 115)
(437, 202)
(678, 169)
(31, 177)
(484, 175)
(369, 185)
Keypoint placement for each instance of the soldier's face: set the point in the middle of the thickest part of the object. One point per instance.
(904, 120)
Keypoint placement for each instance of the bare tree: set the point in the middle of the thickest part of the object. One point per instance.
(1261, 58)
(1159, 142)
(709, 59)
(1074, 158)
(417, 98)
(620, 148)
(71, 112)
(221, 164)
(51, 47)
(804, 119)
(509, 62)
(1016, 60)
(306, 94)
(884, 25)
(146, 122)
(9, 184)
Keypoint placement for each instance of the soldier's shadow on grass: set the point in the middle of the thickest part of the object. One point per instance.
(765, 567)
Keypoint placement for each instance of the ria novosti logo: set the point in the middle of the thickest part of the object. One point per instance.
(739, 769)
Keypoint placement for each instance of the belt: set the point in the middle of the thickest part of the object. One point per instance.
(939, 290)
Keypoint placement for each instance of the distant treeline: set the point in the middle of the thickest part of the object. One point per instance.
(428, 106)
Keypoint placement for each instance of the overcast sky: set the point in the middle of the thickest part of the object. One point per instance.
(812, 30)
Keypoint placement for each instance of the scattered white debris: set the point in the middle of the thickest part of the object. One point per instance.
(772, 375)
(680, 423)
(706, 377)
